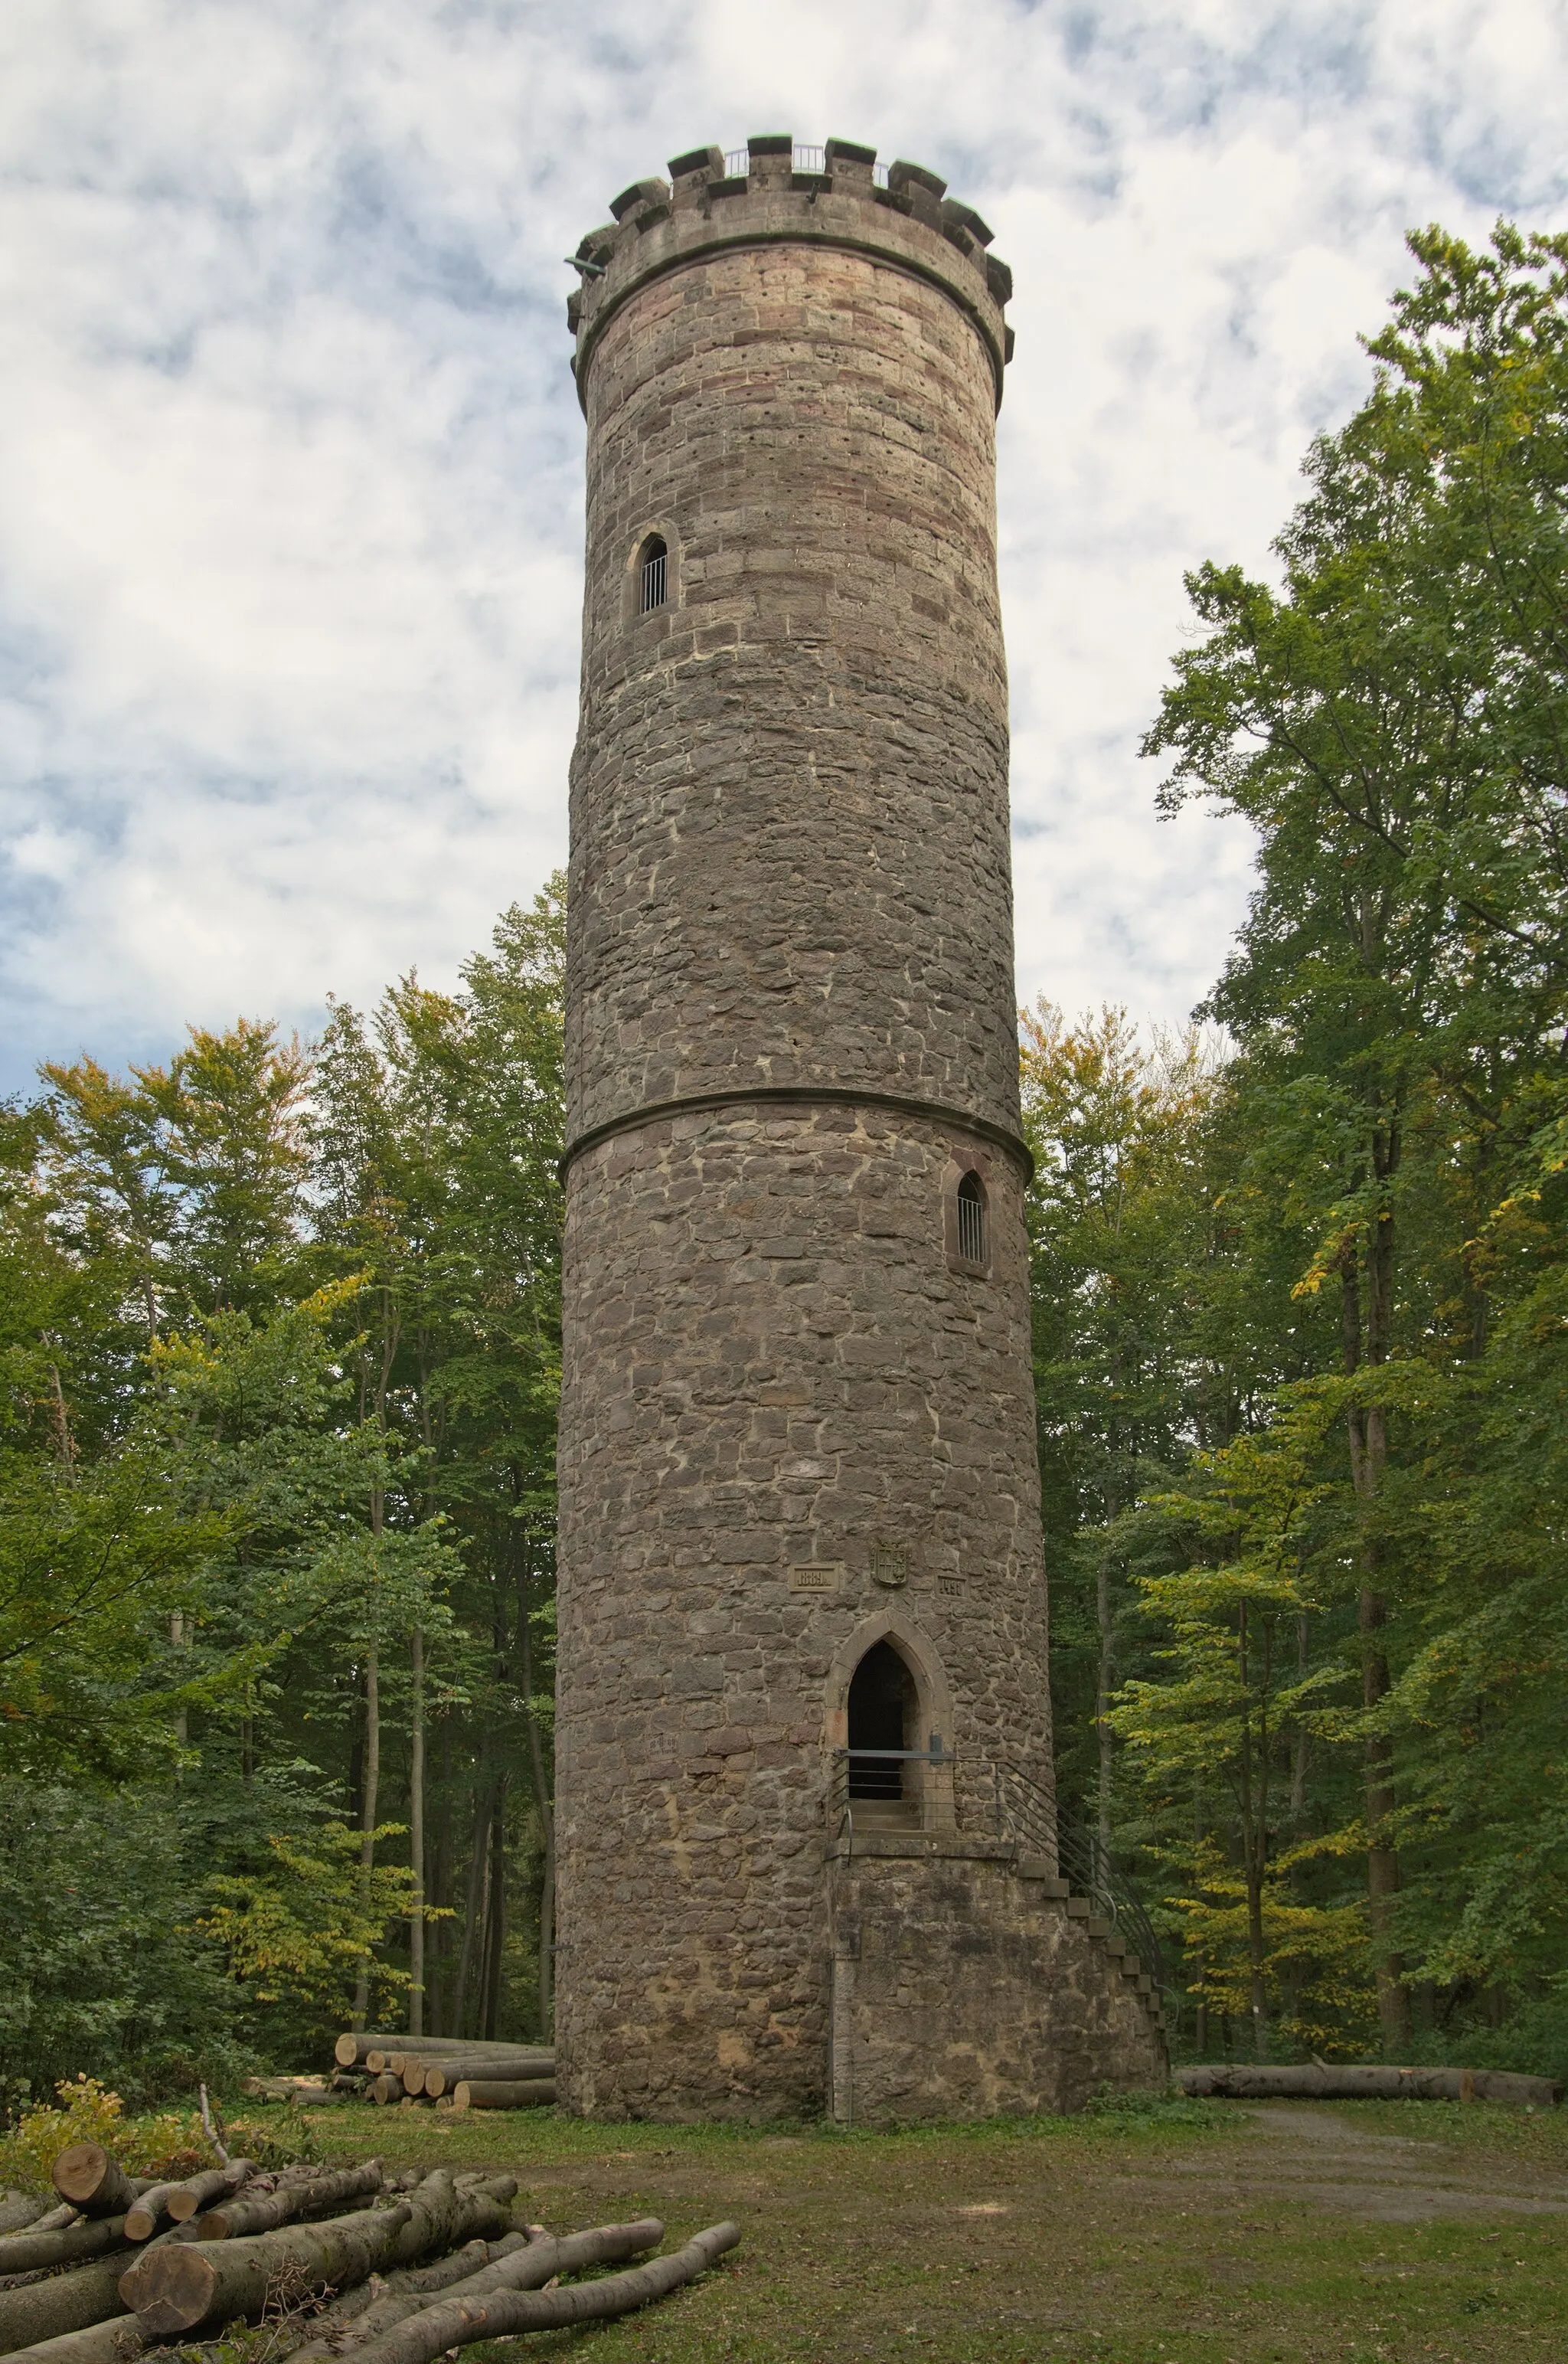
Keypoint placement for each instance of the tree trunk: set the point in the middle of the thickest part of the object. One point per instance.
(545, 1808)
(478, 1864)
(416, 1835)
(497, 1928)
(1298, 1754)
(1368, 1439)
(503, 2314)
(370, 1801)
(65, 2302)
(174, 2289)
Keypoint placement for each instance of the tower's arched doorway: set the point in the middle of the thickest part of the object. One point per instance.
(884, 1717)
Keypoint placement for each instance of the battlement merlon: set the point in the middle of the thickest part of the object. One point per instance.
(912, 224)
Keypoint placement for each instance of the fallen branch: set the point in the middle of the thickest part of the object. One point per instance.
(20, 2210)
(529, 2268)
(503, 2314)
(188, 2198)
(1356, 2081)
(302, 2196)
(172, 2288)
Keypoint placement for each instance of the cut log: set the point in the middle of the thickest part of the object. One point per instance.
(142, 2216)
(355, 2051)
(18, 2209)
(388, 2298)
(312, 2196)
(174, 2288)
(64, 2302)
(442, 2076)
(458, 2321)
(93, 2180)
(116, 2340)
(205, 2190)
(532, 2265)
(24, 2252)
(1354, 2080)
(386, 2089)
(521, 2093)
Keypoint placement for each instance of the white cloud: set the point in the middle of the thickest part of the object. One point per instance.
(290, 463)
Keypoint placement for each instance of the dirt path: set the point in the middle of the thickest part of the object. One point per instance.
(1311, 2154)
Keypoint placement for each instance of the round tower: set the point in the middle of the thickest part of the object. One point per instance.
(803, 1612)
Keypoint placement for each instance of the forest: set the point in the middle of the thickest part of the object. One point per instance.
(279, 1334)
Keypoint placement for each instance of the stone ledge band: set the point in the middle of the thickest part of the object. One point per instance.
(803, 1095)
(795, 236)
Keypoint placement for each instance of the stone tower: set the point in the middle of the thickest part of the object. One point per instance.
(799, 1500)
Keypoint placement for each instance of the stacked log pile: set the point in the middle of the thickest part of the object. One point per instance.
(452, 2072)
(414, 2265)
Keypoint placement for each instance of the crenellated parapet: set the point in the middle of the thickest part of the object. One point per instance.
(908, 222)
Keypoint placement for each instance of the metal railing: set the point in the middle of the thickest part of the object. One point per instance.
(738, 164)
(1023, 1807)
(1025, 1816)
(654, 581)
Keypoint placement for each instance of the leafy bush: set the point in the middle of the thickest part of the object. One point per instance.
(169, 2143)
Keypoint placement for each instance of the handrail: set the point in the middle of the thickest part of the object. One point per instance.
(806, 159)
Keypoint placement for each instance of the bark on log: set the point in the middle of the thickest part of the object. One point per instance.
(65, 2302)
(20, 2209)
(444, 2076)
(93, 2180)
(300, 2197)
(172, 2288)
(363, 2314)
(116, 2340)
(458, 2321)
(355, 2051)
(1355, 2082)
(69, 2246)
(54, 2219)
(188, 2198)
(523, 2093)
(537, 2262)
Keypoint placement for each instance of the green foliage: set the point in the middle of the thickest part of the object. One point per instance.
(1307, 1375)
(278, 1357)
(169, 2143)
(301, 1929)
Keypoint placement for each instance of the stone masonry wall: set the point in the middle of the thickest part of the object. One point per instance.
(968, 1982)
(789, 817)
(774, 1374)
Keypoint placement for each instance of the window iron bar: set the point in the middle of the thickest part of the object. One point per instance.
(971, 1229)
(653, 582)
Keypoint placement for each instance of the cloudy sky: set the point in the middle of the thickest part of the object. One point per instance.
(290, 461)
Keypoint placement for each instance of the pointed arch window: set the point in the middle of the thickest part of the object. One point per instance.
(654, 575)
(972, 1246)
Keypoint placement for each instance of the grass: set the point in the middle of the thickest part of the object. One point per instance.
(1172, 2234)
